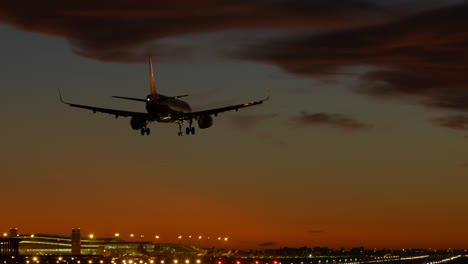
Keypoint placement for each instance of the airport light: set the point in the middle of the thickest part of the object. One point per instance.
(91, 236)
(32, 235)
(187, 261)
(219, 238)
(162, 261)
(151, 261)
(116, 234)
(179, 237)
(198, 261)
(5, 234)
(199, 237)
(157, 237)
(176, 261)
(225, 239)
(132, 235)
(142, 236)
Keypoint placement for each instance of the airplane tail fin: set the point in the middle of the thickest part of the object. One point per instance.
(152, 85)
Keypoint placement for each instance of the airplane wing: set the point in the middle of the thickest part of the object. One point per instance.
(114, 112)
(216, 111)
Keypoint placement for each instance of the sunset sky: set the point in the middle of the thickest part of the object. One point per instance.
(365, 138)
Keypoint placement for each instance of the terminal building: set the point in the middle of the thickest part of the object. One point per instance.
(47, 244)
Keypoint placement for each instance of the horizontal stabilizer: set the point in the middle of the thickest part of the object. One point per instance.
(130, 98)
(171, 97)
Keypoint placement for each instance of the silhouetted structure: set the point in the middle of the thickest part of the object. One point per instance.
(9, 246)
(76, 241)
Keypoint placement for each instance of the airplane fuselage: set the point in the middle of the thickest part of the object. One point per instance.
(166, 109)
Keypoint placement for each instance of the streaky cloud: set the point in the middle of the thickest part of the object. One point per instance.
(331, 120)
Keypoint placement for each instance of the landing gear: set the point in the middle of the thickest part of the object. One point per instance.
(188, 130)
(180, 130)
(145, 130)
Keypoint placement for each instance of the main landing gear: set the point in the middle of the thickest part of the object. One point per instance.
(189, 130)
(145, 130)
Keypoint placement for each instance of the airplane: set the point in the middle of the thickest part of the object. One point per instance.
(165, 109)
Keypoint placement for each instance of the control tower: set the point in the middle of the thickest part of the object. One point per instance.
(76, 241)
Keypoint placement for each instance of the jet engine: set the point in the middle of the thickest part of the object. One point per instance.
(205, 121)
(137, 123)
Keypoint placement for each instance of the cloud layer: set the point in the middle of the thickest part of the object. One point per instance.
(115, 30)
(329, 120)
(456, 122)
(423, 58)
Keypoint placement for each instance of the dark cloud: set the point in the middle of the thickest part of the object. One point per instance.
(456, 122)
(116, 30)
(422, 58)
(267, 244)
(315, 231)
(329, 120)
(246, 122)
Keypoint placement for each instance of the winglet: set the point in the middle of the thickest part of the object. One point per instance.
(60, 95)
(152, 85)
(268, 95)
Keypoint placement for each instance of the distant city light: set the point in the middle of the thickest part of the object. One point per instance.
(200, 237)
(132, 235)
(225, 239)
(116, 234)
(5, 234)
(32, 235)
(91, 236)
(157, 237)
(176, 261)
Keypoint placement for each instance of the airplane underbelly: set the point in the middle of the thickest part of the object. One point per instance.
(167, 111)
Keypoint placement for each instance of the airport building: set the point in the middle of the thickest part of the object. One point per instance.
(47, 244)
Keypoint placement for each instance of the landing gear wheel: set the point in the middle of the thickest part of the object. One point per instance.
(187, 130)
(148, 131)
(142, 131)
(192, 130)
